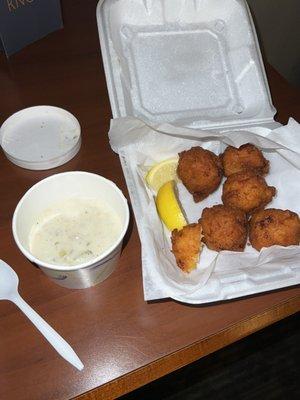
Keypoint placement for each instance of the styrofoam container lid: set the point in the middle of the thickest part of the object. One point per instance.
(40, 137)
(194, 63)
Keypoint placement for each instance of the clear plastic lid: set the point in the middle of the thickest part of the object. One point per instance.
(40, 137)
(193, 63)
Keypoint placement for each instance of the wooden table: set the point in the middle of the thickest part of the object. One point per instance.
(123, 341)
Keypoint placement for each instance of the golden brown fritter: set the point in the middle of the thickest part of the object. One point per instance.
(186, 246)
(224, 228)
(200, 171)
(273, 226)
(246, 157)
(247, 191)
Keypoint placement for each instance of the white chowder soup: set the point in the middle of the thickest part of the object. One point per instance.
(74, 231)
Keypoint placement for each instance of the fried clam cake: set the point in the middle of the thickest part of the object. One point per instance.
(200, 171)
(224, 228)
(246, 157)
(247, 191)
(274, 227)
(187, 246)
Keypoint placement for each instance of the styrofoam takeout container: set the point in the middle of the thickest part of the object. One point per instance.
(57, 188)
(188, 63)
(40, 137)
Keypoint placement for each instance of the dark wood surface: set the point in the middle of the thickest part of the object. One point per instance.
(123, 341)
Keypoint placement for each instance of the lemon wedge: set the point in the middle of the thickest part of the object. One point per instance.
(168, 206)
(161, 173)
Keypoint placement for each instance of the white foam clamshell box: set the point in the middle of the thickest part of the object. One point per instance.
(189, 63)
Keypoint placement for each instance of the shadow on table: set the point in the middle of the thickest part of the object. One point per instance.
(264, 365)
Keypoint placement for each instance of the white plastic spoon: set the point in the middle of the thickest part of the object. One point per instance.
(9, 291)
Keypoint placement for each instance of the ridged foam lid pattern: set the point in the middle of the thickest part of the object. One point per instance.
(194, 63)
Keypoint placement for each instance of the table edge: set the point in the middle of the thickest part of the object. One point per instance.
(193, 352)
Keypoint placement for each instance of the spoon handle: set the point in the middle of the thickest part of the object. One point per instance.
(60, 345)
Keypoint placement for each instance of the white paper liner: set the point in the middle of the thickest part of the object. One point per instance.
(219, 276)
